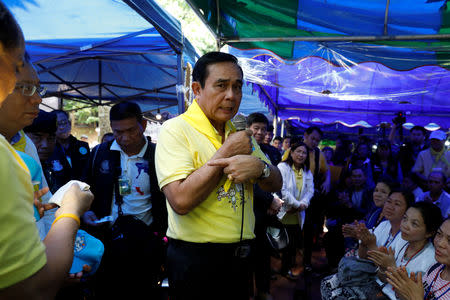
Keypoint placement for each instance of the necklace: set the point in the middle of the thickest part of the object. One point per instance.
(404, 255)
(430, 294)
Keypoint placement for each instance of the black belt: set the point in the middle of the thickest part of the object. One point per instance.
(239, 249)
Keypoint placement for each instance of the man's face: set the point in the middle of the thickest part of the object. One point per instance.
(435, 182)
(277, 144)
(221, 96)
(312, 140)
(358, 178)
(20, 110)
(44, 142)
(11, 63)
(436, 144)
(363, 151)
(286, 143)
(268, 137)
(417, 137)
(259, 130)
(129, 134)
(63, 126)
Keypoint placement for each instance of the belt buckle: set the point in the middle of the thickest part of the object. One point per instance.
(242, 251)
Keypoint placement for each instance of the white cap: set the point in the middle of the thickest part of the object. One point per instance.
(438, 135)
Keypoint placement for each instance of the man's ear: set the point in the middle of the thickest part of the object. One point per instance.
(196, 87)
(144, 124)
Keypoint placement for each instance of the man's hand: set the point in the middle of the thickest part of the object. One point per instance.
(42, 207)
(240, 168)
(75, 278)
(75, 201)
(89, 218)
(326, 185)
(237, 143)
(275, 206)
(406, 288)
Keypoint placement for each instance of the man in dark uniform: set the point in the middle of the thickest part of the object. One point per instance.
(71, 157)
(123, 180)
(266, 205)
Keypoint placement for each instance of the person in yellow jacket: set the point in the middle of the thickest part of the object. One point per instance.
(29, 269)
(207, 174)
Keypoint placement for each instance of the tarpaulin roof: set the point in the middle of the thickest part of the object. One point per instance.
(103, 50)
(340, 61)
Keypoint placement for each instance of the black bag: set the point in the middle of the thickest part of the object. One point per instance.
(277, 235)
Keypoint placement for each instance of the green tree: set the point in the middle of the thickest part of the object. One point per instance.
(84, 114)
(193, 28)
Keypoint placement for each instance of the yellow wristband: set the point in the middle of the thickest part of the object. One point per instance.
(75, 217)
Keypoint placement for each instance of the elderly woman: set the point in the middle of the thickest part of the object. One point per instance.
(297, 191)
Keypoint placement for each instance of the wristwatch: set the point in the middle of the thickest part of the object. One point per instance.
(266, 171)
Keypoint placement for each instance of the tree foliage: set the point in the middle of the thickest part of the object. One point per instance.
(84, 114)
(193, 28)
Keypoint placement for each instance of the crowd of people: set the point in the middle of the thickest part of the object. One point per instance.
(199, 206)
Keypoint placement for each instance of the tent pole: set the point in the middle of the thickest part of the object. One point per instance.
(368, 38)
(100, 82)
(282, 128)
(180, 83)
(386, 13)
(275, 124)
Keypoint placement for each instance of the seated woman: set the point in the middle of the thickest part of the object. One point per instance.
(374, 217)
(386, 234)
(297, 191)
(418, 225)
(435, 283)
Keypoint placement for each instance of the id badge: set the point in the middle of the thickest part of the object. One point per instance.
(124, 186)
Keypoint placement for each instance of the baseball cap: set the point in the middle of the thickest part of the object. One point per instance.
(88, 250)
(438, 135)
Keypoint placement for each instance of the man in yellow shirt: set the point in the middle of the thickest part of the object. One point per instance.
(207, 173)
(315, 213)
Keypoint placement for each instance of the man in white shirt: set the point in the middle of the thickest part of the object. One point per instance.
(123, 179)
(436, 194)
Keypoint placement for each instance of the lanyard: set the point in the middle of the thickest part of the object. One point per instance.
(387, 243)
(427, 294)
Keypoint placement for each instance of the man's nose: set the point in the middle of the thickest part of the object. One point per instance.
(44, 143)
(36, 98)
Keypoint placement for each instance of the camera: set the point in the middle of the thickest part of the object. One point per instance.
(399, 119)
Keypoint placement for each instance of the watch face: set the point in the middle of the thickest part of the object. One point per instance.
(266, 171)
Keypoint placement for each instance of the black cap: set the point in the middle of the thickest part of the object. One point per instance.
(45, 122)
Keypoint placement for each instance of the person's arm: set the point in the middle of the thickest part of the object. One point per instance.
(59, 244)
(418, 167)
(185, 194)
(392, 133)
(288, 196)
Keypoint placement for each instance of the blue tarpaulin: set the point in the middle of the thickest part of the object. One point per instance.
(105, 50)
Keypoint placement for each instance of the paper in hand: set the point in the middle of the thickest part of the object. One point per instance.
(59, 195)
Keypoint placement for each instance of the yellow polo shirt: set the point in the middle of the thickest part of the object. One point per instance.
(21, 252)
(181, 149)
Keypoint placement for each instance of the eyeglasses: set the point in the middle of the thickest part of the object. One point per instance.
(63, 123)
(30, 89)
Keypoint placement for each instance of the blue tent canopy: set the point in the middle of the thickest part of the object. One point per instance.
(103, 51)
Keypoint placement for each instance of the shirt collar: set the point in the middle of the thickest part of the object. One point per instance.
(115, 147)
